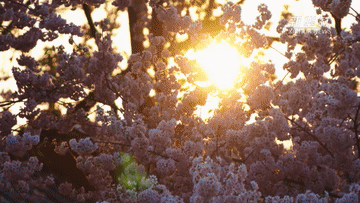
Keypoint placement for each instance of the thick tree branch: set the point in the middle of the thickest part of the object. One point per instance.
(337, 24)
(356, 130)
(136, 45)
(87, 11)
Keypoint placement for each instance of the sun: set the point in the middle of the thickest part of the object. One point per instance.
(221, 61)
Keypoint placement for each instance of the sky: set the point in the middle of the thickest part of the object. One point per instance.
(303, 8)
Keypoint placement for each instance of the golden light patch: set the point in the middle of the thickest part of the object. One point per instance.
(221, 61)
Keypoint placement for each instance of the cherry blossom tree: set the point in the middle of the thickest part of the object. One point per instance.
(153, 147)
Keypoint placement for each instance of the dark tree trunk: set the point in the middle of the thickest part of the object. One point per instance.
(136, 45)
(337, 25)
(157, 27)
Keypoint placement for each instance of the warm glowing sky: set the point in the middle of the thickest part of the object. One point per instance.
(249, 13)
(222, 62)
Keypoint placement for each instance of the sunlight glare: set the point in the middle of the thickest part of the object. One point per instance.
(221, 61)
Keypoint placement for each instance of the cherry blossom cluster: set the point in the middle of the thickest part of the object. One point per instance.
(84, 146)
(153, 147)
(18, 146)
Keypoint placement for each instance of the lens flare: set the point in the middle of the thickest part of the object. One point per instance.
(221, 61)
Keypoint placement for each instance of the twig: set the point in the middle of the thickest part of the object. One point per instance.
(262, 162)
(162, 155)
(112, 88)
(353, 15)
(216, 150)
(7, 29)
(7, 103)
(358, 15)
(240, 2)
(282, 81)
(242, 161)
(342, 50)
(311, 135)
(348, 116)
(279, 52)
(287, 71)
(335, 56)
(354, 10)
(23, 5)
(108, 142)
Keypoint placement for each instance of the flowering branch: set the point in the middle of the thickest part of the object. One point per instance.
(242, 160)
(128, 145)
(162, 131)
(311, 135)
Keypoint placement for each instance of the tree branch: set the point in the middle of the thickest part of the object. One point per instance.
(7, 103)
(127, 145)
(337, 24)
(356, 130)
(26, 5)
(87, 11)
(242, 160)
(357, 14)
(311, 135)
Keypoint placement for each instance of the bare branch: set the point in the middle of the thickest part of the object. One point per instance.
(87, 11)
(356, 130)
